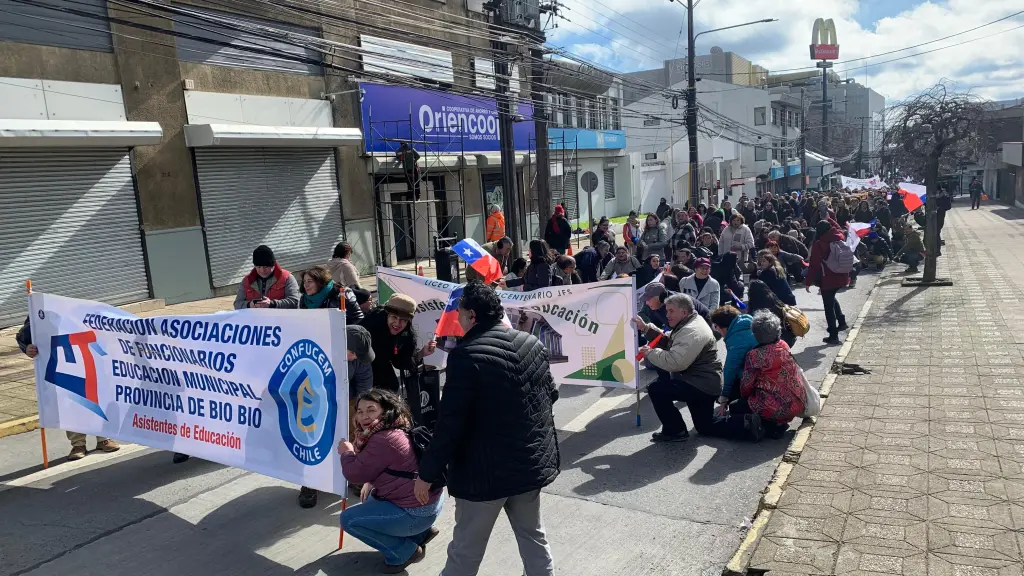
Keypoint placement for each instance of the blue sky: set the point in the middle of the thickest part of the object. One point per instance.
(627, 35)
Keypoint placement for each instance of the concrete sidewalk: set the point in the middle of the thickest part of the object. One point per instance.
(916, 468)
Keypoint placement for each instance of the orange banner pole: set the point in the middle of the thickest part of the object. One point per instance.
(42, 431)
(341, 531)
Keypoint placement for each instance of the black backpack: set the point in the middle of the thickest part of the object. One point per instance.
(420, 438)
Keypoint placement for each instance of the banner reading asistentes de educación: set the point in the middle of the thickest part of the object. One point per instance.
(585, 327)
(254, 389)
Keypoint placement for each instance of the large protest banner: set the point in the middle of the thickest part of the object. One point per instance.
(263, 390)
(585, 327)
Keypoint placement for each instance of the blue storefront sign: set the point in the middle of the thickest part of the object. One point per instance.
(778, 171)
(452, 123)
(586, 139)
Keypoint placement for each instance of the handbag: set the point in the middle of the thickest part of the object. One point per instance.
(813, 405)
(423, 394)
(796, 320)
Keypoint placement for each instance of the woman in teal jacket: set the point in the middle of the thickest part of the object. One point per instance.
(735, 329)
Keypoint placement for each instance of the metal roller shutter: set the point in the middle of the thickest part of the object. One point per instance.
(68, 222)
(286, 198)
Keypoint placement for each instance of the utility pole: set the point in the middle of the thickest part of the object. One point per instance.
(540, 123)
(860, 153)
(691, 105)
(803, 144)
(825, 105)
(505, 132)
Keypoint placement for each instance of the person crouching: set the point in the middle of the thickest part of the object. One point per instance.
(390, 518)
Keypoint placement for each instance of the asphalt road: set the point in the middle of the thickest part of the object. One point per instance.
(620, 506)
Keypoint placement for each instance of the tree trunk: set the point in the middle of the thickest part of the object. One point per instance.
(931, 229)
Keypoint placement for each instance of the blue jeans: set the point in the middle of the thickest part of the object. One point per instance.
(394, 531)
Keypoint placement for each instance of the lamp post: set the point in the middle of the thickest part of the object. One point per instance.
(691, 92)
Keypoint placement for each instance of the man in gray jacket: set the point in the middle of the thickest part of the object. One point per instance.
(692, 370)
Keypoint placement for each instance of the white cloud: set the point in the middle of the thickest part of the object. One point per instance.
(647, 32)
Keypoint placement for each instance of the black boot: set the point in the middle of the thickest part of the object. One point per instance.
(307, 497)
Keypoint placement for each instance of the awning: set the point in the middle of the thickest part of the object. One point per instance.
(485, 160)
(77, 133)
(201, 135)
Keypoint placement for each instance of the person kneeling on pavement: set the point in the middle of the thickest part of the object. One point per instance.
(360, 380)
(692, 372)
(381, 456)
(735, 329)
(78, 449)
(771, 391)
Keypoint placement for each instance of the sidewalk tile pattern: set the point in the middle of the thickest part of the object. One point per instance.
(918, 467)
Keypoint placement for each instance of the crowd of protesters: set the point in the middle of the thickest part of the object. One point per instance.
(707, 273)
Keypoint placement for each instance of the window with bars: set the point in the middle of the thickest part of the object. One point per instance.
(603, 115)
(565, 111)
(595, 118)
(616, 114)
(609, 183)
(581, 112)
(775, 116)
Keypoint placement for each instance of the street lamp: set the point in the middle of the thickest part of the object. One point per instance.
(691, 90)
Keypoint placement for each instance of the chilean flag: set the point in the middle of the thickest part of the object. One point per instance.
(449, 325)
(479, 259)
(914, 195)
(861, 229)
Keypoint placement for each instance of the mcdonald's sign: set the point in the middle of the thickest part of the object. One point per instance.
(824, 44)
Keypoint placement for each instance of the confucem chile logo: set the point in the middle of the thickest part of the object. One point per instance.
(82, 383)
(304, 386)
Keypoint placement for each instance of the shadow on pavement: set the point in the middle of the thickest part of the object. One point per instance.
(48, 525)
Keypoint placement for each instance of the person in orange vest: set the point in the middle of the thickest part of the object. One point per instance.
(495, 224)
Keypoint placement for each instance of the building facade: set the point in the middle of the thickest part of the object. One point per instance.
(718, 66)
(172, 140)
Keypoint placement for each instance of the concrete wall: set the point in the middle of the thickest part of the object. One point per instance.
(52, 63)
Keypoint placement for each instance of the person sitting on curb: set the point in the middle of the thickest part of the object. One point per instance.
(267, 285)
(691, 371)
(912, 248)
(622, 265)
(78, 449)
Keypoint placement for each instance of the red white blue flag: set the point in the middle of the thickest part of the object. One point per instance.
(914, 195)
(449, 325)
(479, 259)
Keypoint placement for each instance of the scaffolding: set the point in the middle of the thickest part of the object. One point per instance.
(563, 156)
(424, 211)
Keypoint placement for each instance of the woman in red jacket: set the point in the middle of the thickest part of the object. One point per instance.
(818, 274)
(390, 519)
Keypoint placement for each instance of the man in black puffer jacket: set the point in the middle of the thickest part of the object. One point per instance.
(495, 436)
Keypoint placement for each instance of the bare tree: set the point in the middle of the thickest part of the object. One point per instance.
(934, 130)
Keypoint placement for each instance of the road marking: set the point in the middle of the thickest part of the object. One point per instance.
(91, 459)
(593, 412)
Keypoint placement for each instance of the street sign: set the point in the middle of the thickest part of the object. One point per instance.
(589, 182)
(824, 43)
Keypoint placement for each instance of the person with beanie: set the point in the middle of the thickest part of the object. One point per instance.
(394, 340)
(267, 285)
(360, 381)
(558, 232)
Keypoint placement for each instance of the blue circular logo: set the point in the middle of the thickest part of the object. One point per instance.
(304, 386)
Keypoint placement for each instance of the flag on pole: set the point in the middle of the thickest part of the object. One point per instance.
(449, 325)
(479, 259)
(914, 195)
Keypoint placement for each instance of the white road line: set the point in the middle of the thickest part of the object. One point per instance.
(90, 460)
(593, 412)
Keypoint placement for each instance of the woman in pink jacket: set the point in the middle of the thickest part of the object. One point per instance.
(382, 459)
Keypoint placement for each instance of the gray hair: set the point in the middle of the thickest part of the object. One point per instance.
(680, 302)
(767, 327)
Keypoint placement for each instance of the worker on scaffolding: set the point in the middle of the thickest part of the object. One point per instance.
(409, 158)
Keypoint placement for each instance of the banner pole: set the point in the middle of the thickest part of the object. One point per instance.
(42, 431)
(636, 363)
(341, 531)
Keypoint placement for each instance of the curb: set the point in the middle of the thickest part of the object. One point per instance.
(739, 563)
(19, 426)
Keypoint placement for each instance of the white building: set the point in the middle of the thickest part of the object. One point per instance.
(745, 133)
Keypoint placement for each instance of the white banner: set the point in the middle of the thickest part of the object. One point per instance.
(585, 327)
(263, 390)
(873, 183)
